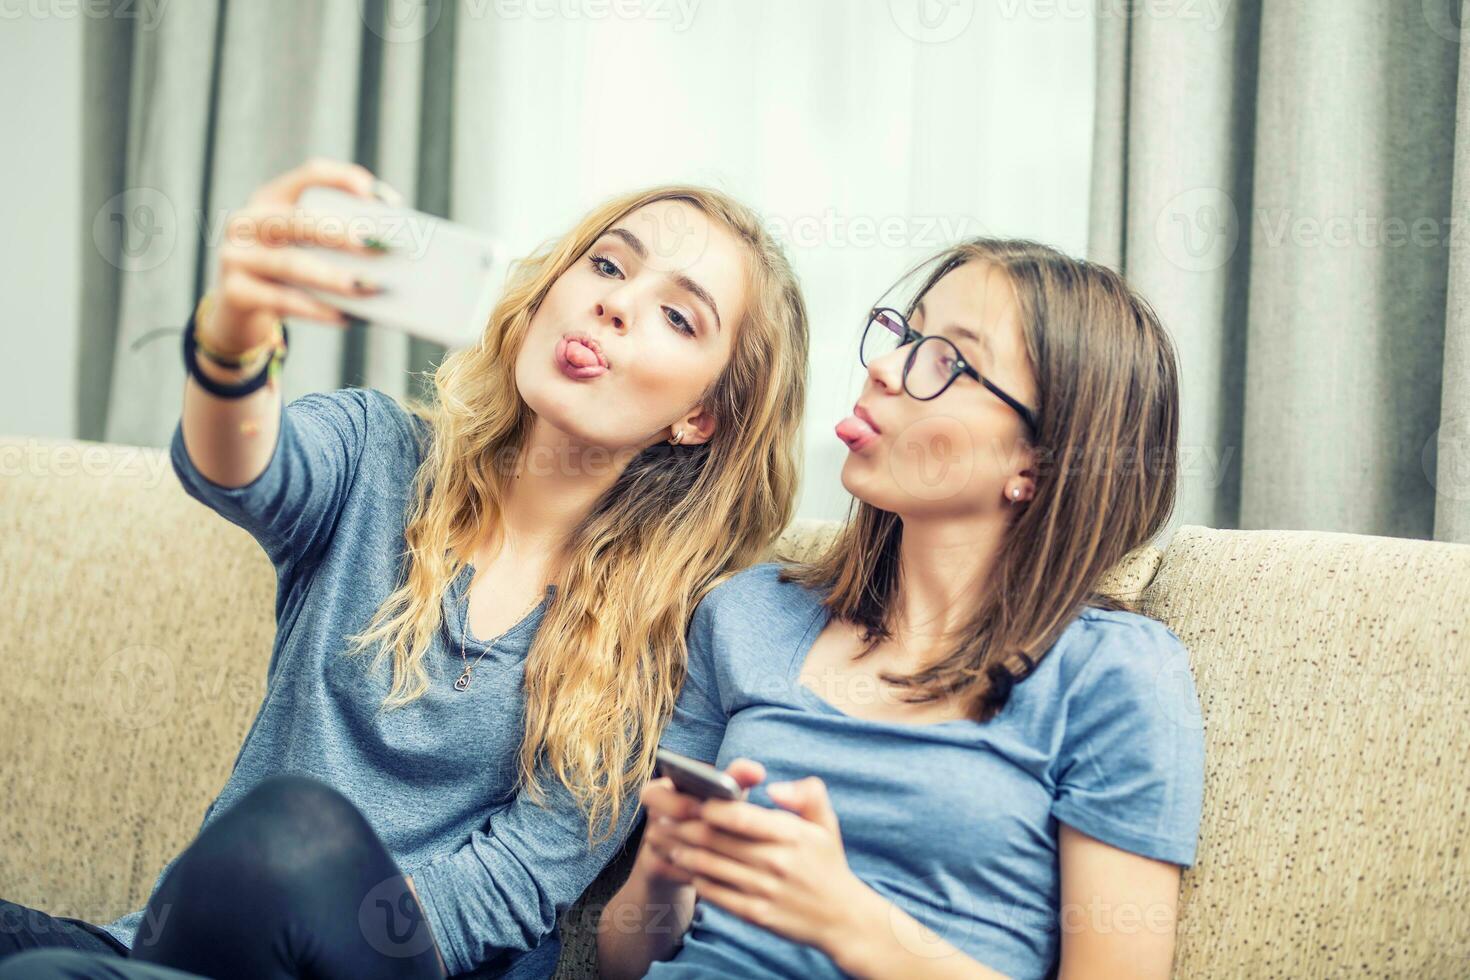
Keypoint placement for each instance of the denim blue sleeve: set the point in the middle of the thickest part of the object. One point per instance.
(698, 725)
(505, 888)
(1130, 770)
(292, 507)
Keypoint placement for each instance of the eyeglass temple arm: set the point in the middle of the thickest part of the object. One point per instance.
(1026, 414)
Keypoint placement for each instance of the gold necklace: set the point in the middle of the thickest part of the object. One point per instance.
(462, 683)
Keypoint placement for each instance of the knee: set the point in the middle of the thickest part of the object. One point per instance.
(285, 828)
(297, 804)
(48, 964)
(292, 808)
(292, 789)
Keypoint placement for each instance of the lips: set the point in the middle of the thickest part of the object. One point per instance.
(580, 357)
(858, 430)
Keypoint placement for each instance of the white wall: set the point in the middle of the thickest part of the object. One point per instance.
(40, 173)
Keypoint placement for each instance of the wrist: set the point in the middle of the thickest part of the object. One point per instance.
(229, 375)
(855, 938)
(656, 888)
(226, 352)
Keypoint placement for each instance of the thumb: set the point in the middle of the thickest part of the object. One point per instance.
(808, 799)
(746, 772)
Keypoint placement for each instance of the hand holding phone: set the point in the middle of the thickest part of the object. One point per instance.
(437, 280)
(698, 779)
(685, 784)
(265, 271)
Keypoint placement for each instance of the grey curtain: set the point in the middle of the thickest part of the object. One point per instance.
(1278, 177)
(364, 80)
(1289, 182)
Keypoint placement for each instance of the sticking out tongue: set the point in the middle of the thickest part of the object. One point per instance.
(578, 361)
(579, 355)
(853, 429)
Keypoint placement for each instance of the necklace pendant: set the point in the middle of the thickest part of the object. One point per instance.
(464, 680)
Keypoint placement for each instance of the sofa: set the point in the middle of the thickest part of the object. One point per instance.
(1333, 672)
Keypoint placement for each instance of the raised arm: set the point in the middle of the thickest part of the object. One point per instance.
(230, 440)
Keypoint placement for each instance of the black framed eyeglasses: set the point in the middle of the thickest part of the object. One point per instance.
(932, 365)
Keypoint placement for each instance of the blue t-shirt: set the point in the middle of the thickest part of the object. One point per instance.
(955, 822)
(437, 778)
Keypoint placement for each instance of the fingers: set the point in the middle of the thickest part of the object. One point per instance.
(806, 798)
(658, 842)
(661, 800)
(660, 867)
(286, 188)
(666, 807)
(295, 267)
(752, 822)
(241, 291)
(263, 273)
(277, 225)
(700, 863)
(698, 833)
(746, 772)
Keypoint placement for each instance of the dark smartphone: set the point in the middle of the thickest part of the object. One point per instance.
(698, 778)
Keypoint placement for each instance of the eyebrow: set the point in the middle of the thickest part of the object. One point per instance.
(681, 280)
(632, 240)
(965, 333)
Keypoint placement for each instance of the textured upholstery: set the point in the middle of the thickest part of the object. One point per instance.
(1334, 674)
(137, 627)
(1334, 680)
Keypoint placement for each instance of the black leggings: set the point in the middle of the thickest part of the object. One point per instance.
(289, 882)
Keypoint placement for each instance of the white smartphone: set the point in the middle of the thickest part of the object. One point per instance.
(698, 778)
(440, 279)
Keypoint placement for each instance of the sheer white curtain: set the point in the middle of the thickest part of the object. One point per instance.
(868, 133)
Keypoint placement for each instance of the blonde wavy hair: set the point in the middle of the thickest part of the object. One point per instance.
(609, 656)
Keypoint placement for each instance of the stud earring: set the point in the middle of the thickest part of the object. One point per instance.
(1015, 493)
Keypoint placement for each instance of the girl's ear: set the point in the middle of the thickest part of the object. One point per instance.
(698, 427)
(1022, 486)
(1018, 491)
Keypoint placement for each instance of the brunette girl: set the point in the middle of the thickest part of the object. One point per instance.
(979, 765)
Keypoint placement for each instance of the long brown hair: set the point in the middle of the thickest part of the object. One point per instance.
(1107, 464)
(608, 657)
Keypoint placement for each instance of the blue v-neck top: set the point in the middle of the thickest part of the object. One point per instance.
(437, 778)
(956, 822)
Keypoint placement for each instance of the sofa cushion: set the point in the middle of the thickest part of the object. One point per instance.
(135, 634)
(1334, 679)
